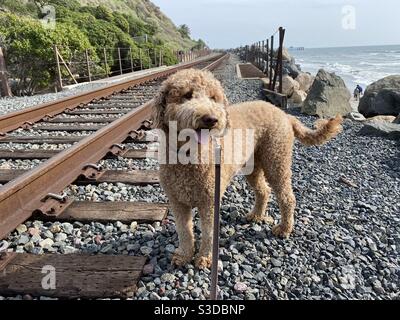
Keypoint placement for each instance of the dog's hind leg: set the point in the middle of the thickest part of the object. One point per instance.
(184, 227)
(203, 259)
(279, 177)
(262, 193)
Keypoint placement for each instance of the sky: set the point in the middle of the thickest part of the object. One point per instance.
(309, 23)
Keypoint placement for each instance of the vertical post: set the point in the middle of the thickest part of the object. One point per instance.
(59, 84)
(88, 65)
(280, 57)
(267, 57)
(130, 54)
(155, 57)
(150, 61)
(160, 61)
(215, 248)
(105, 62)
(262, 55)
(120, 60)
(140, 58)
(271, 63)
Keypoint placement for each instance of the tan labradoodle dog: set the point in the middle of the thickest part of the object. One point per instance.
(195, 100)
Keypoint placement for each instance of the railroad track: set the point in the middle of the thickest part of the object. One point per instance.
(87, 129)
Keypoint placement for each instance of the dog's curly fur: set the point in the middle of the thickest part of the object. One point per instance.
(189, 95)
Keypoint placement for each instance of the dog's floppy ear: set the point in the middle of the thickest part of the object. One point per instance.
(158, 106)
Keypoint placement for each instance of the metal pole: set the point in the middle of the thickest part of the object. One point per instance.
(267, 56)
(281, 41)
(105, 62)
(130, 54)
(215, 249)
(262, 55)
(59, 85)
(88, 65)
(120, 60)
(160, 61)
(271, 66)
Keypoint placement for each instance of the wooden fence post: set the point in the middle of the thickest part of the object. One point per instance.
(120, 60)
(88, 65)
(130, 54)
(59, 84)
(140, 58)
(105, 62)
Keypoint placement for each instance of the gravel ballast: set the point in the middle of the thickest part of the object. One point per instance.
(345, 244)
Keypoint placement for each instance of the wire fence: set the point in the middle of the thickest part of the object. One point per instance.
(61, 66)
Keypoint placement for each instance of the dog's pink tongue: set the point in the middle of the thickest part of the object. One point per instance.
(201, 138)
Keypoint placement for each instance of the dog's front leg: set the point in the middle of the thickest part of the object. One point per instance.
(203, 259)
(184, 227)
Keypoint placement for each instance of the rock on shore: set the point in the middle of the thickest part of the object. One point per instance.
(381, 98)
(328, 96)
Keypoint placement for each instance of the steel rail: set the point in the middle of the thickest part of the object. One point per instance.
(15, 120)
(21, 197)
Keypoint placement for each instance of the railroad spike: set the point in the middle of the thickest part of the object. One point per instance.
(118, 150)
(92, 171)
(27, 125)
(137, 135)
(53, 205)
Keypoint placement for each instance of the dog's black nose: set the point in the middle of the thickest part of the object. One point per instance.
(209, 121)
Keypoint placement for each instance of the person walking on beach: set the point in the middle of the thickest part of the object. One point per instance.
(358, 92)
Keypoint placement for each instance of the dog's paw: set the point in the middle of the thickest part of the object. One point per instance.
(281, 231)
(180, 260)
(203, 262)
(252, 217)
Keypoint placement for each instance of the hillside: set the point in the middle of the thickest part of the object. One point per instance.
(86, 27)
(145, 10)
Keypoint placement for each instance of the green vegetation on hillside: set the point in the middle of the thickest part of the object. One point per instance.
(90, 25)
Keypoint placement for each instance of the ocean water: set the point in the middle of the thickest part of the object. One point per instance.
(356, 65)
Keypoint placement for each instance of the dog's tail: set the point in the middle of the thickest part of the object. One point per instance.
(325, 130)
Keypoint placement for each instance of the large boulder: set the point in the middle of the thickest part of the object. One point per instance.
(305, 81)
(298, 96)
(397, 119)
(291, 68)
(381, 98)
(289, 85)
(381, 129)
(328, 96)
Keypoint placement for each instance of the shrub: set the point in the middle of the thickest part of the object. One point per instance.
(29, 48)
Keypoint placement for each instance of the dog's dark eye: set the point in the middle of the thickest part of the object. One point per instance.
(188, 95)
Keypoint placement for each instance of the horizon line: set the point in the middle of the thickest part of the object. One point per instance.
(328, 47)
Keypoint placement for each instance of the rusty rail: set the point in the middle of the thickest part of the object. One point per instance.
(15, 120)
(29, 192)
